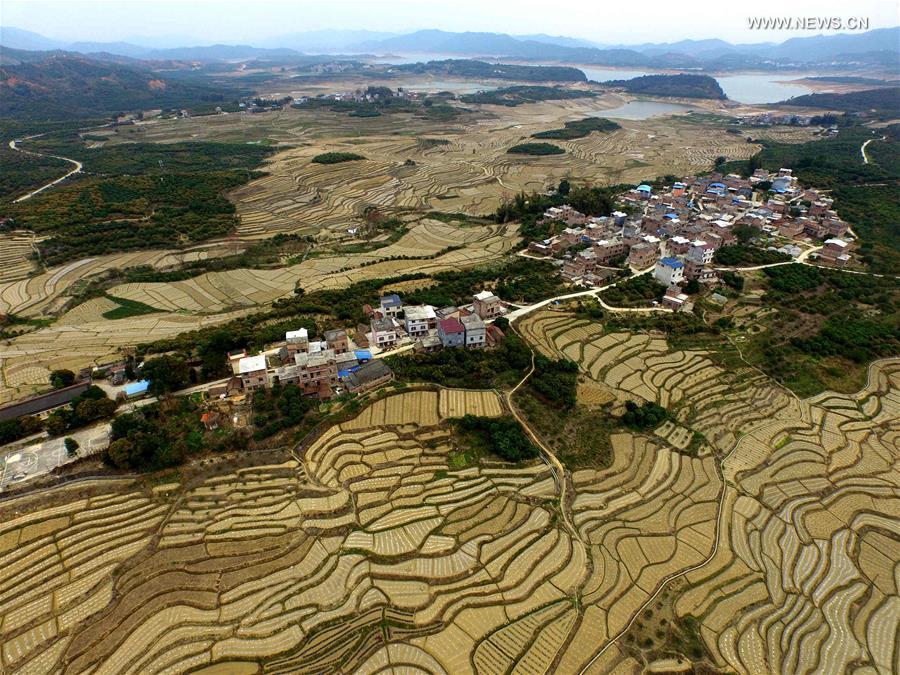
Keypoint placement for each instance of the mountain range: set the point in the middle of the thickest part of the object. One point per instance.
(878, 46)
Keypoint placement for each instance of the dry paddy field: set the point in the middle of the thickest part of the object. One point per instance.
(806, 574)
(82, 336)
(369, 553)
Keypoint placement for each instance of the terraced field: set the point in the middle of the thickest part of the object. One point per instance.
(805, 577)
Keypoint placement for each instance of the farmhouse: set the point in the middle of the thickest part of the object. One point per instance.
(384, 333)
(487, 305)
(451, 332)
(391, 305)
(669, 271)
(419, 320)
(369, 376)
(475, 331)
(252, 370)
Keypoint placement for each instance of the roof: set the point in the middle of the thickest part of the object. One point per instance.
(383, 325)
(250, 364)
(392, 300)
(674, 263)
(138, 387)
(484, 295)
(299, 334)
(472, 321)
(335, 334)
(451, 325)
(363, 354)
(419, 313)
(643, 187)
(368, 372)
(837, 242)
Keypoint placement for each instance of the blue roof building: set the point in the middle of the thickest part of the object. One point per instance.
(136, 388)
(362, 354)
(674, 263)
(643, 187)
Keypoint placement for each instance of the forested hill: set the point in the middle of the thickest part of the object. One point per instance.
(498, 71)
(67, 86)
(884, 99)
(680, 86)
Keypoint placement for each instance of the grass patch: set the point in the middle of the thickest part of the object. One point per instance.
(579, 129)
(336, 157)
(128, 308)
(536, 149)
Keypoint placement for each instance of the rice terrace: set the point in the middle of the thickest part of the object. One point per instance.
(568, 348)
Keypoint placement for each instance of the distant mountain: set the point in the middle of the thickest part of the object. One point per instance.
(325, 40)
(66, 85)
(560, 40)
(17, 38)
(878, 47)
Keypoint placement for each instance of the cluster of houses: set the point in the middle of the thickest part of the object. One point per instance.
(688, 221)
(323, 368)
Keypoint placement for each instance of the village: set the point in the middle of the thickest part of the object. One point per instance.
(678, 230)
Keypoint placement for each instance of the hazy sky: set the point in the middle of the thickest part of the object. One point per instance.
(604, 21)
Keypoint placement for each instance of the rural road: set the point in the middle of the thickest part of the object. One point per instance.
(78, 167)
(862, 149)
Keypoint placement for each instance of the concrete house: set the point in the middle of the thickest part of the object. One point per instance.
(391, 305)
(475, 331)
(669, 271)
(419, 320)
(252, 370)
(384, 333)
(487, 305)
(451, 332)
(337, 340)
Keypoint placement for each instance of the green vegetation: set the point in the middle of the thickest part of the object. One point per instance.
(19, 427)
(536, 149)
(76, 86)
(503, 366)
(62, 378)
(90, 406)
(643, 417)
(21, 172)
(529, 209)
(866, 195)
(167, 373)
(128, 308)
(501, 436)
(517, 95)
(579, 129)
(635, 291)
(165, 434)
(740, 255)
(829, 326)
(679, 86)
(467, 68)
(555, 381)
(283, 407)
(130, 200)
(71, 446)
(336, 157)
(884, 101)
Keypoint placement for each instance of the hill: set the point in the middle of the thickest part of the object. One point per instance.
(61, 86)
(885, 99)
(499, 71)
(680, 86)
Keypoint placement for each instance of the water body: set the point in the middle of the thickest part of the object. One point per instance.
(750, 88)
(641, 110)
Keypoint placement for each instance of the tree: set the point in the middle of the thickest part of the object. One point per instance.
(692, 287)
(720, 160)
(62, 378)
(564, 187)
(71, 447)
(166, 373)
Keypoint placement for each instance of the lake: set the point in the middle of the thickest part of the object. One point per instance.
(641, 110)
(744, 88)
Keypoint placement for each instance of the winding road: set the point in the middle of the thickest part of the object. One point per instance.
(78, 167)
(862, 149)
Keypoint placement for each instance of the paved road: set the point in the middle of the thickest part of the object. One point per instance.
(75, 162)
(862, 149)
